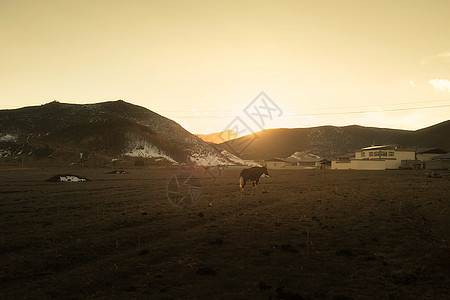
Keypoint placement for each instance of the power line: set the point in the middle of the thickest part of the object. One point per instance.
(369, 111)
(311, 108)
(336, 113)
(384, 105)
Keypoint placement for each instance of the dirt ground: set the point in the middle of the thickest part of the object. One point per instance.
(310, 234)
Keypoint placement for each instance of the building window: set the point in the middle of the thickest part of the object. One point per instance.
(363, 154)
(391, 153)
(383, 153)
(370, 153)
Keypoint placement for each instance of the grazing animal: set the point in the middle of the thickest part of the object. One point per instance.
(252, 174)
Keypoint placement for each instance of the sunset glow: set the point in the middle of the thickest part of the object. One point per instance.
(372, 63)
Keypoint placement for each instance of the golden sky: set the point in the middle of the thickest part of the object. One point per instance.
(372, 63)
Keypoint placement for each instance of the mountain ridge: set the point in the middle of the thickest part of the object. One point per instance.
(108, 129)
(115, 129)
(332, 141)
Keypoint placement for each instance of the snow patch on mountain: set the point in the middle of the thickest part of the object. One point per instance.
(215, 158)
(141, 148)
(302, 155)
(233, 158)
(209, 159)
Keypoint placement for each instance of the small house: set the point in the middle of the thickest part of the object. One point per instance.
(309, 163)
(425, 154)
(441, 162)
(276, 163)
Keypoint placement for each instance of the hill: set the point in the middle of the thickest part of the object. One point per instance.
(113, 130)
(437, 135)
(332, 141)
(218, 137)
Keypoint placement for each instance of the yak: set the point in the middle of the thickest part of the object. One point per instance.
(252, 174)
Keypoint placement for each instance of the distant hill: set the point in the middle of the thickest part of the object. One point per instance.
(433, 136)
(332, 141)
(109, 130)
(219, 137)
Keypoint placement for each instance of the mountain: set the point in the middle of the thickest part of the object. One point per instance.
(219, 137)
(110, 130)
(332, 141)
(437, 135)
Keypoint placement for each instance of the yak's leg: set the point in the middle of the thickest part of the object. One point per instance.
(242, 182)
(255, 184)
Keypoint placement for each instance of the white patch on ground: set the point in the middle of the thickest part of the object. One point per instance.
(140, 148)
(8, 138)
(70, 178)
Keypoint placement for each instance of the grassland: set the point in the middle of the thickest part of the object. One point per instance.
(312, 234)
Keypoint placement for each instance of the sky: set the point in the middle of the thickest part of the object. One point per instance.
(201, 63)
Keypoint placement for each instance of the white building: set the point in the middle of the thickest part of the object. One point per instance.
(376, 158)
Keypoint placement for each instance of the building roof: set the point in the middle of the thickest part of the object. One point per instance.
(277, 159)
(443, 156)
(291, 159)
(430, 150)
(387, 147)
(383, 147)
(346, 156)
(303, 160)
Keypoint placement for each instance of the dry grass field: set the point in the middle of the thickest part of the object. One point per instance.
(312, 234)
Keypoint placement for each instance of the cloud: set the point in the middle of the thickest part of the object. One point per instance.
(440, 84)
(443, 56)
